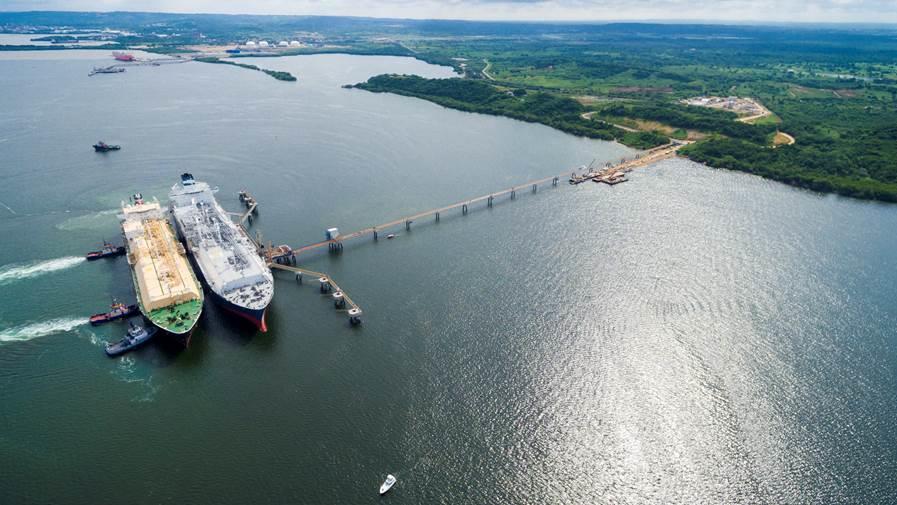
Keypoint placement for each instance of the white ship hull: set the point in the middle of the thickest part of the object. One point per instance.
(225, 257)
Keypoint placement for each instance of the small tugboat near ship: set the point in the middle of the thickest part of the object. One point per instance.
(117, 311)
(136, 335)
(108, 251)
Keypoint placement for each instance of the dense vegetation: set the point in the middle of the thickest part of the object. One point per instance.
(280, 76)
(536, 107)
(833, 88)
(813, 167)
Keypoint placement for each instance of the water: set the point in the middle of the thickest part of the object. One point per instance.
(692, 336)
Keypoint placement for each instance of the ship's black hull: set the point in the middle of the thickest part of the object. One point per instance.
(178, 339)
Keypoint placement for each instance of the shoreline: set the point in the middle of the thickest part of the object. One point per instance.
(829, 185)
(848, 187)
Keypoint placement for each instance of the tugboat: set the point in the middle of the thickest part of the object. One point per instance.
(102, 147)
(116, 311)
(136, 335)
(108, 251)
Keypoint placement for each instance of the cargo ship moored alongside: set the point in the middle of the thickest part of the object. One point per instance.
(168, 293)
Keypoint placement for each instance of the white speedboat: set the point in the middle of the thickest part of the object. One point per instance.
(387, 484)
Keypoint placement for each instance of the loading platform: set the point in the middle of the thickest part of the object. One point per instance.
(612, 174)
(250, 204)
(327, 286)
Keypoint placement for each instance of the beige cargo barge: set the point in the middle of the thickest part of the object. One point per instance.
(167, 289)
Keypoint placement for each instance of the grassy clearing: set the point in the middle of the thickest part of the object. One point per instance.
(771, 119)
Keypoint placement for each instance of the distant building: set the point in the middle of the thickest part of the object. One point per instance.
(282, 43)
(295, 43)
(251, 43)
(264, 43)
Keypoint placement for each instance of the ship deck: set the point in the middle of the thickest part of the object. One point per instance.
(162, 317)
(225, 254)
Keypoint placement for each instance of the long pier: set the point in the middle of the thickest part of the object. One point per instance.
(608, 174)
(153, 63)
(283, 257)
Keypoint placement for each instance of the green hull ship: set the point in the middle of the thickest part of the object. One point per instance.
(168, 292)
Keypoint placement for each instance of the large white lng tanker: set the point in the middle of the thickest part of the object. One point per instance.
(226, 258)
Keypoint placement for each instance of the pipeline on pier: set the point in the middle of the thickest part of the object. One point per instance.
(611, 174)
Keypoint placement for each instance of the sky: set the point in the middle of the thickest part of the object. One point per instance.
(845, 11)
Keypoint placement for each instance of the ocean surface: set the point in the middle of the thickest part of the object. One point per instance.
(692, 336)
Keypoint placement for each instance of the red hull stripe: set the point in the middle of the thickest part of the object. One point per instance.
(258, 323)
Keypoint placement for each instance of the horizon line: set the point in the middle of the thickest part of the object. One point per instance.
(753, 22)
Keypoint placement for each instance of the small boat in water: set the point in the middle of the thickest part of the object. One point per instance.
(105, 70)
(387, 484)
(117, 311)
(108, 251)
(102, 147)
(137, 335)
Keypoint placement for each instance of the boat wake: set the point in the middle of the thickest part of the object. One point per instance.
(128, 372)
(91, 221)
(7, 207)
(42, 329)
(95, 340)
(20, 271)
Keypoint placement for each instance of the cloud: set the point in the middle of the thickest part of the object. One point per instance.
(879, 11)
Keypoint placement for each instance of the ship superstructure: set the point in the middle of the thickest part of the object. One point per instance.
(227, 259)
(168, 293)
